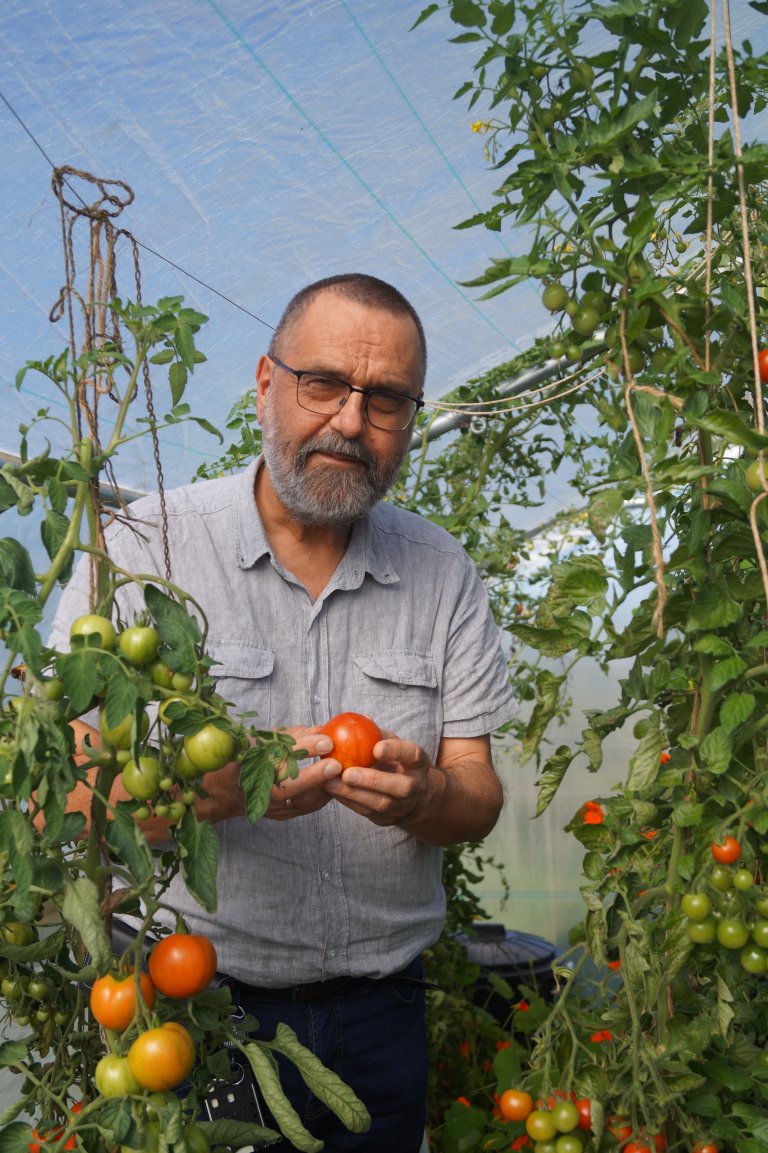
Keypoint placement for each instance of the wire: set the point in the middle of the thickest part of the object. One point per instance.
(146, 247)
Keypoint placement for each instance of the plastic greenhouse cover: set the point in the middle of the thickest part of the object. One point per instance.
(267, 144)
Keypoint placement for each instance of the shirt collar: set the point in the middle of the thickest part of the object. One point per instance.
(368, 550)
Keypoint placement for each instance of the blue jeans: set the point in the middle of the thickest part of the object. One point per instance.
(374, 1037)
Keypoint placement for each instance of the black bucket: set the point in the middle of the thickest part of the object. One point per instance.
(523, 960)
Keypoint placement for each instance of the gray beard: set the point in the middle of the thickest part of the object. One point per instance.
(327, 496)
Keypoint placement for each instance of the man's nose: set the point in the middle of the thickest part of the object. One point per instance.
(350, 419)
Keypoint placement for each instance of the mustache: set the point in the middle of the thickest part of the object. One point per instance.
(334, 443)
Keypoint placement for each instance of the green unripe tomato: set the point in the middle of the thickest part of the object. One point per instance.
(696, 906)
(182, 681)
(732, 933)
(743, 879)
(92, 625)
(143, 813)
(554, 297)
(565, 1116)
(189, 797)
(585, 320)
(210, 748)
(721, 877)
(142, 779)
(760, 934)
(753, 959)
(163, 809)
(176, 811)
(52, 688)
(114, 1078)
(139, 644)
(160, 674)
(119, 735)
(752, 477)
(702, 932)
(166, 784)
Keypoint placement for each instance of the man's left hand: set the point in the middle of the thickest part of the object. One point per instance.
(393, 789)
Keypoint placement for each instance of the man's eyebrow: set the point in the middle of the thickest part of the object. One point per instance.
(334, 374)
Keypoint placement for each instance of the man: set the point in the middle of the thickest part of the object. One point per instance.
(321, 598)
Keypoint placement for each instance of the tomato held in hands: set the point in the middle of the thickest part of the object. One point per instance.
(113, 1001)
(354, 736)
(183, 964)
(161, 1058)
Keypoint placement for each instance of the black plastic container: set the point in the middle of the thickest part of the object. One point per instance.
(521, 959)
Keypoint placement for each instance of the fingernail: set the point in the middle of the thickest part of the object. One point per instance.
(332, 770)
(324, 745)
(352, 777)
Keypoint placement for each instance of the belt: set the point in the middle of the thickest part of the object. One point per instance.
(311, 991)
(323, 990)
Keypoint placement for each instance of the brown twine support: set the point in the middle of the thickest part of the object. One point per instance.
(100, 323)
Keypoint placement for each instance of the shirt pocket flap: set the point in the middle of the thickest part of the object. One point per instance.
(400, 667)
(238, 659)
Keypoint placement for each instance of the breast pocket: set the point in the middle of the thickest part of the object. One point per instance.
(243, 675)
(398, 688)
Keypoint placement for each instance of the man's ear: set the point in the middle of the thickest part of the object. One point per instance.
(263, 380)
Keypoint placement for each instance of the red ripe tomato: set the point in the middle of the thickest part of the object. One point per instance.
(113, 1000)
(354, 736)
(515, 1104)
(183, 964)
(637, 1147)
(43, 1144)
(706, 1147)
(584, 1107)
(727, 852)
(762, 363)
(161, 1058)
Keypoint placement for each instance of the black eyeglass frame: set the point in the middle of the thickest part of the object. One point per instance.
(367, 393)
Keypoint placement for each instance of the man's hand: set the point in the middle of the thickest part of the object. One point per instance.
(306, 792)
(457, 799)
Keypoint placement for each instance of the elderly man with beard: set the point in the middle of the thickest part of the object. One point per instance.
(322, 598)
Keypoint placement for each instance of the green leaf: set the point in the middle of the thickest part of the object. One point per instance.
(80, 675)
(424, 15)
(326, 1085)
(555, 769)
(719, 1069)
(713, 609)
(237, 1134)
(730, 427)
(716, 751)
(199, 845)
(467, 13)
(120, 700)
(737, 709)
(177, 379)
(15, 1138)
(257, 776)
(17, 839)
(16, 568)
(687, 814)
(644, 765)
(265, 1071)
(41, 950)
(603, 510)
(724, 672)
(547, 703)
(179, 631)
(80, 908)
(127, 841)
(12, 1052)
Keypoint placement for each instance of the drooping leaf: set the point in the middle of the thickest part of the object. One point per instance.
(265, 1071)
(644, 765)
(326, 1085)
(199, 845)
(80, 908)
(127, 841)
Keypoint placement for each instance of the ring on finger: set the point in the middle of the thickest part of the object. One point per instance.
(290, 804)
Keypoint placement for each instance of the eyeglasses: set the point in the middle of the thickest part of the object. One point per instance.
(389, 411)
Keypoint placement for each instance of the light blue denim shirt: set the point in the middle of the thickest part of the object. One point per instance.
(401, 632)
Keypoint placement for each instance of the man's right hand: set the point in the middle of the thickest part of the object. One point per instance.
(304, 793)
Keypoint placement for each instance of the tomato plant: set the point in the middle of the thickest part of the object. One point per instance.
(182, 964)
(161, 1058)
(354, 738)
(113, 999)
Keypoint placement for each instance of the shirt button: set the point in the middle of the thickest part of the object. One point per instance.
(331, 952)
(326, 875)
(315, 699)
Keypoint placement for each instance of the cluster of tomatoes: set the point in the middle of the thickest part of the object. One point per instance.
(585, 316)
(563, 1124)
(158, 1057)
(165, 776)
(734, 912)
(32, 999)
